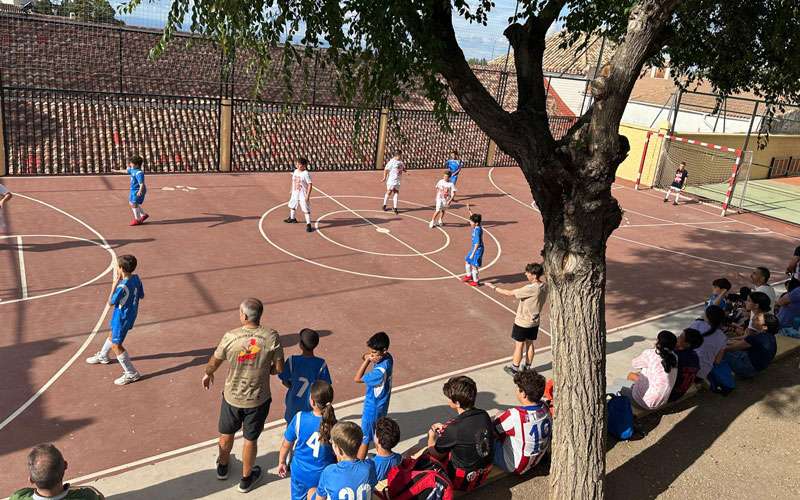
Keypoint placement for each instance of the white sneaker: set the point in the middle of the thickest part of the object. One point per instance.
(98, 358)
(431, 224)
(128, 378)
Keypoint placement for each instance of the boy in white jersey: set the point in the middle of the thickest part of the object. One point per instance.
(445, 191)
(301, 193)
(391, 176)
(523, 431)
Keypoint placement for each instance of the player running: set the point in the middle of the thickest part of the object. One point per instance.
(454, 165)
(445, 192)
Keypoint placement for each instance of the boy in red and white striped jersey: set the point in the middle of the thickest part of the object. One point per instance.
(523, 431)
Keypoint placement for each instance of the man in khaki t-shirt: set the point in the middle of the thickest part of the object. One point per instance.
(526, 323)
(254, 353)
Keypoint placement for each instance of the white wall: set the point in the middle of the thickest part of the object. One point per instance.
(649, 115)
(571, 92)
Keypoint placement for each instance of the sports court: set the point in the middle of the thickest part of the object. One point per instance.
(214, 239)
(778, 198)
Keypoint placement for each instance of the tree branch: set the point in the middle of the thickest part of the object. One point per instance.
(476, 100)
(612, 87)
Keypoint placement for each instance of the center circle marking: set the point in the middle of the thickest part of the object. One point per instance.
(381, 230)
(369, 275)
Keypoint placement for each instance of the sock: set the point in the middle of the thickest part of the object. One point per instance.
(468, 269)
(291, 213)
(515, 367)
(141, 211)
(385, 198)
(308, 217)
(475, 274)
(135, 211)
(125, 360)
(394, 200)
(106, 348)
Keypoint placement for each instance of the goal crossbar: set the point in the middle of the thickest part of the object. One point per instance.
(735, 161)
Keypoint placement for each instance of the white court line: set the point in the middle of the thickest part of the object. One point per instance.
(662, 224)
(69, 289)
(86, 342)
(626, 239)
(357, 273)
(452, 274)
(23, 278)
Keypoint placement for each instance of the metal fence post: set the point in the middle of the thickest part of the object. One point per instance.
(225, 134)
(3, 156)
(383, 127)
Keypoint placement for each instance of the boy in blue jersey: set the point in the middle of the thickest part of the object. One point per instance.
(300, 372)
(454, 165)
(138, 189)
(126, 292)
(474, 257)
(309, 434)
(379, 386)
(387, 435)
(350, 477)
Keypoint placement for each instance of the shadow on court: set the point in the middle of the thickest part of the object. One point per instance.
(212, 219)
(68, 244)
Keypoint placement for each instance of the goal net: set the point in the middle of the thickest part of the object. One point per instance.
(715, 173)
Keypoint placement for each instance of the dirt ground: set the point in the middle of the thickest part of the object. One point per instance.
(743, 446)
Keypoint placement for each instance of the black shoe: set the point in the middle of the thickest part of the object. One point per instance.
(666, 200)
(249, 482)
(309, 228)
(222, 471)
(510, 370)
(396, 212)
(385, 208)
(674, 202)
(290, 220)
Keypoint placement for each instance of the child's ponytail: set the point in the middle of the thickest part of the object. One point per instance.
(665, 348)
(322, 396)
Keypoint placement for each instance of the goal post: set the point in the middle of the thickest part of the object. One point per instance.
(716, 173)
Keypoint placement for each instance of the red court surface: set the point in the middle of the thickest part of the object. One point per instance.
(363, 270)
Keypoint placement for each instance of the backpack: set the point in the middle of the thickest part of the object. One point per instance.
(721, 380)
(424, 477)
(620, 417)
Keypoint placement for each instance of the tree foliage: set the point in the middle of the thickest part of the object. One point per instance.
(82, 10)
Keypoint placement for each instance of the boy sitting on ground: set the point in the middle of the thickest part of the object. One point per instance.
(720, 288)
(464, 444)
(523, 431)
(752, 353)
(688, 362)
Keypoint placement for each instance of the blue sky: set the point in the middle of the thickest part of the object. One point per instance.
(476, 40)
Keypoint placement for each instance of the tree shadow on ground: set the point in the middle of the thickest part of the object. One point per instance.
(199, 357)
(666, 459)
(204, 482)
(213, 219)
(29, 246)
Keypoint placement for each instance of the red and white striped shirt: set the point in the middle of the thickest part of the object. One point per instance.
(525, 434)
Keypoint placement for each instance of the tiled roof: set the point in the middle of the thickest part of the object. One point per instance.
(569, 61)
(659, 91)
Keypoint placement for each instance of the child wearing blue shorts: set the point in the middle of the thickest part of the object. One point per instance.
(126, 292)
(474, 258)
(379, 386)
(138, 189)
(309, 434)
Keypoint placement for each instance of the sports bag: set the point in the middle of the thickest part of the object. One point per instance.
(620, 417)
(423, 477)
(721, 379)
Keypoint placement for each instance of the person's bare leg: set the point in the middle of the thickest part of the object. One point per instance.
(225, 446)
(530, 351)
(249, 452)
(517, 359)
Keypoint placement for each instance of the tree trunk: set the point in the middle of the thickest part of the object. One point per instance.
(577, 321)
(578, 215)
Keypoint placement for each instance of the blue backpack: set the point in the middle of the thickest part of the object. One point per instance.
(721, 379)
(620, 417)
